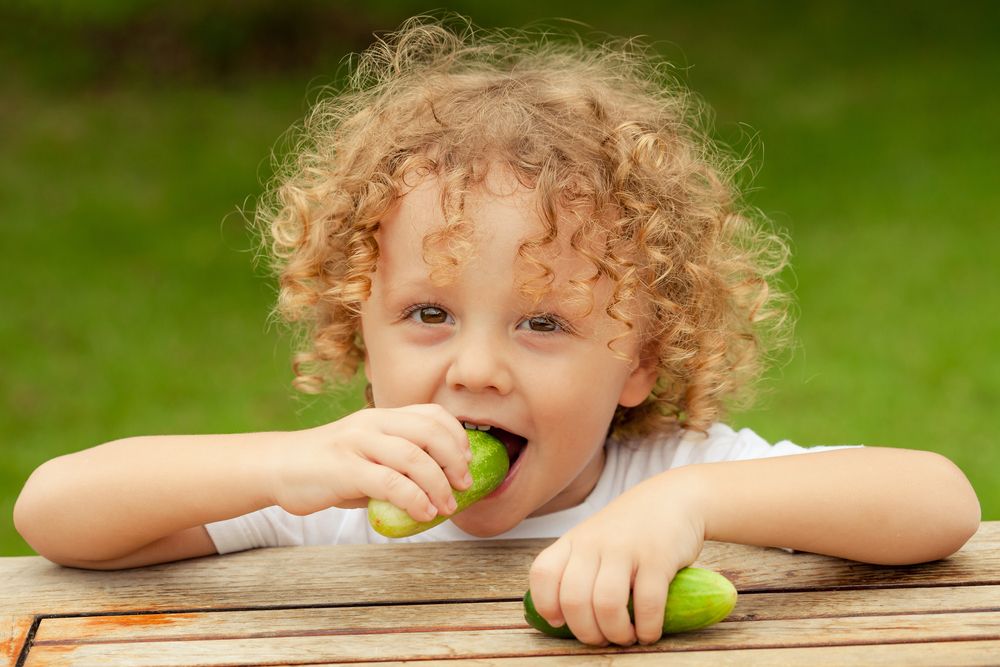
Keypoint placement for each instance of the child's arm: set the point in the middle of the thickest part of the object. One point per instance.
(145, 500)
(877, 505)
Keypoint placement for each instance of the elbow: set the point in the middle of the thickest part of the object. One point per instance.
(960, 512)
(35, 514)
(29, 510)
(30, 524)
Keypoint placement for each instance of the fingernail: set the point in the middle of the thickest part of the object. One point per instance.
(452, 505)
(467, 479)
(431, 510)
(468, 454)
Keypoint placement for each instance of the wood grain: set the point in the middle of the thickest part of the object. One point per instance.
(941, 654)
(284, 622)
(493, 643)
(490, 570)
(483, 615)
(13, 633)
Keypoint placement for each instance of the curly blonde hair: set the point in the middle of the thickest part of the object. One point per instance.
(598, 132)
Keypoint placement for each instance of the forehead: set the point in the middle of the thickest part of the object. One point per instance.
(499, 214)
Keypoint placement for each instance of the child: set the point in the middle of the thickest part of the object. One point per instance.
(535, 239)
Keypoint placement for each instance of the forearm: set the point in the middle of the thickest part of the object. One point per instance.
(108, 501)
(875, 505)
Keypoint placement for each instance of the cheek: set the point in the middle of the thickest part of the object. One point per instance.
(579, 408)
(400, 375)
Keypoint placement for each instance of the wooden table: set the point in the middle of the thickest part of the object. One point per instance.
(450, 602)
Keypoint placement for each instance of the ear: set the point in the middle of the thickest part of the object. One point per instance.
(639, 383)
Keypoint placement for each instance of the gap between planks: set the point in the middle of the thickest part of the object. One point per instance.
(487, 645)
(963, 654)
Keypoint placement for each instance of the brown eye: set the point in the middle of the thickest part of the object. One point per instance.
(433, 315)
(541, 323)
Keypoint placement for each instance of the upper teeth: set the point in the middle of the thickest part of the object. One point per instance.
(470, 425)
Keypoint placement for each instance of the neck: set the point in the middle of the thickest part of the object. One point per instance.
(578, 489)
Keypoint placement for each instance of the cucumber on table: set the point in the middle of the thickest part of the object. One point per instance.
(696, 599)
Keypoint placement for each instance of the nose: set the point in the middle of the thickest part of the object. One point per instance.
(479, 363)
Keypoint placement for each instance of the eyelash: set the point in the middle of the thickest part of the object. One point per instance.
(417, 307)
(563, 326)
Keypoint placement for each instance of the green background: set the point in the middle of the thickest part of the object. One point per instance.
(133, 136)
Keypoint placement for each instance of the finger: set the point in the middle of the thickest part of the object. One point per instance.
(440, 435)
(576, 596)
(403, 456)
(382, 482)
(446, 419)
(611, 591)
(544, 578)
(649, 598)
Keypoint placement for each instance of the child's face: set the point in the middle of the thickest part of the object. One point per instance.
(477, 347)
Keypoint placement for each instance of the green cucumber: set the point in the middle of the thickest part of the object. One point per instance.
(696, 599)
(488, 468)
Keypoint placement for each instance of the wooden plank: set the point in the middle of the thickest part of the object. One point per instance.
(294, 576)
(479, 643)
(752, 569)
(943, 654)
(399, 573)
(484, 615)
(284, 622)
(13, 633)
(822, 604)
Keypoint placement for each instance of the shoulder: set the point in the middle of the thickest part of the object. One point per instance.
(723, 443)
(630, 461)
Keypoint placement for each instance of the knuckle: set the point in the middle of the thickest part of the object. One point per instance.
(573, 602)
(542, 570)
(439, 410)
(394, 482)
(413, 456)
(607, 605)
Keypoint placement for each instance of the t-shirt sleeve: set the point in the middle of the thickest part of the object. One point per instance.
(269, 527)
(274, 527)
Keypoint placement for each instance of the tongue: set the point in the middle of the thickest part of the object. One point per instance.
(513, 443)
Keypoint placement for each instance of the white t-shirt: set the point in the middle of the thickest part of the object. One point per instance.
(626, 464)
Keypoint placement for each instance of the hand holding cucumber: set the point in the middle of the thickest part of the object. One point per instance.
(488, 467)
(413, 456)
(697, 599)
(621, 559)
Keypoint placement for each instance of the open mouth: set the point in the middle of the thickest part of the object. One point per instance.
(514, 443)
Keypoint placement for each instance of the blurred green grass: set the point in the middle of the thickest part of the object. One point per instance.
(132, 303)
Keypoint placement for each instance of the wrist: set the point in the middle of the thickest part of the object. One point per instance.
(265, 463)
(701, 494)
(686, 493)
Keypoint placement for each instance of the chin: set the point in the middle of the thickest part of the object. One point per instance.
(483, 526)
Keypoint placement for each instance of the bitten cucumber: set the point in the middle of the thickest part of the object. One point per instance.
(696, 599)
(488, 467)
